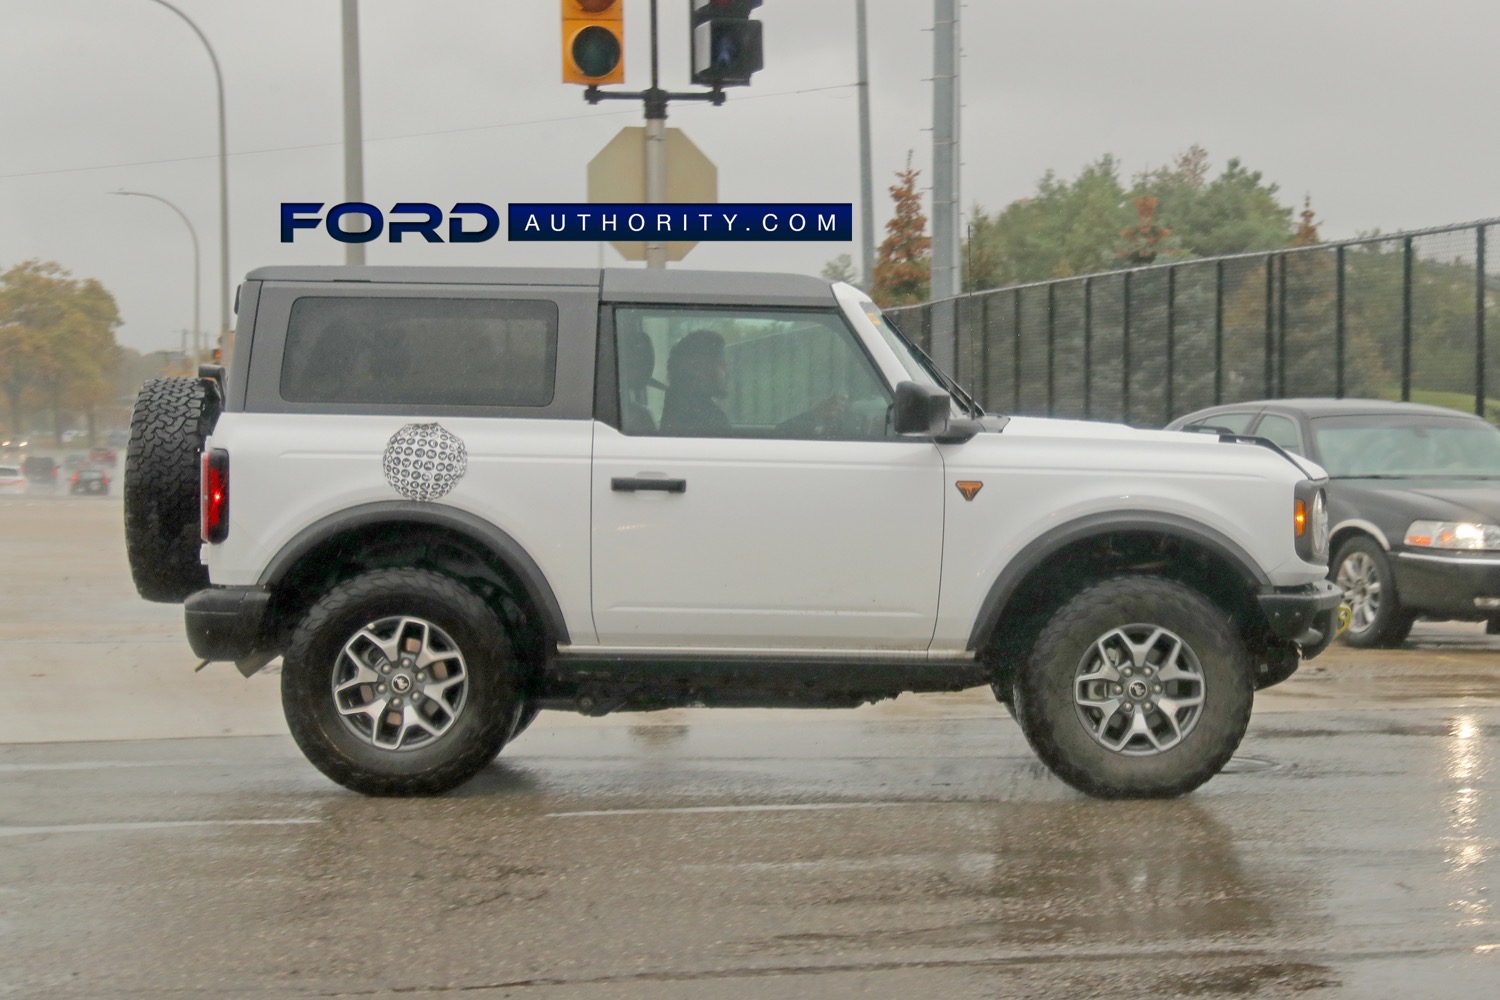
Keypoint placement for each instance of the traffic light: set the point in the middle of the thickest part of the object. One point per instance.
(593, 41)
(726, 42)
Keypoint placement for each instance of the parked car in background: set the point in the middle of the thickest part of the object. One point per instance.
(102, 454)
(89, 481)
(1413, 503)
(40, 470)
(74, 461)
(12, 482)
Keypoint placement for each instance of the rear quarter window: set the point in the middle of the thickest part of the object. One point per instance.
(424, 351)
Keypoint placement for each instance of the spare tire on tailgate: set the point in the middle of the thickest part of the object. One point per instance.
(172, 418)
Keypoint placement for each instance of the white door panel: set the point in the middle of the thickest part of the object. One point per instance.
(770, 543)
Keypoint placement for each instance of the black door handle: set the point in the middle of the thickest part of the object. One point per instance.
(628, 484)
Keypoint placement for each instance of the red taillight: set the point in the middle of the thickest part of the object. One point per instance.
(213, 480)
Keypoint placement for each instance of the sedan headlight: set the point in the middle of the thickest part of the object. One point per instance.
(1466, 535)
(1310, 521)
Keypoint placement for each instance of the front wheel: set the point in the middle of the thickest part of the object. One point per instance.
(1138, 687)
(400, 682)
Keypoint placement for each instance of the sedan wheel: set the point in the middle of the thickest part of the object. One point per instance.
(1363, 572)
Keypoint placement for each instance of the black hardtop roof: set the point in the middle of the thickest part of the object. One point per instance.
(615, 284)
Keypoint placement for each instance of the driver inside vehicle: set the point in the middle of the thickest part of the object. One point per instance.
(697, 378)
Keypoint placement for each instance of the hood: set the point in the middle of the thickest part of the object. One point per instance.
(1103, 432)
(1431, 499)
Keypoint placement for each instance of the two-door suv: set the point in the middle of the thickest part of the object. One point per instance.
(449, 498)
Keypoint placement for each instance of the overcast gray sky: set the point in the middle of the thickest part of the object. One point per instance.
(1383, 112)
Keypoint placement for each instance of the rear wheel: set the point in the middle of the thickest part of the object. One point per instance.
(400, 682)
(1138, 687)
(1363, 571)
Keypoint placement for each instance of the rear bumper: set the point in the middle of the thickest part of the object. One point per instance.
(1307, 616)
(225, 623)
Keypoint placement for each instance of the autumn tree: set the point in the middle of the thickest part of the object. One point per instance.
(903, 267)
(57, 342)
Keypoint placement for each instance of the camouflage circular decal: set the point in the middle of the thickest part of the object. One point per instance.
(425, 461)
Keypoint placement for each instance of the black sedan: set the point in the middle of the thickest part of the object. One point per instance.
(1413, 504)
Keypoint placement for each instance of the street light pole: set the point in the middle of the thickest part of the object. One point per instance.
(197, 346)
(223, 180)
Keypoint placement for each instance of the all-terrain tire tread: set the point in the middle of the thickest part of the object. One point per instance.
(301, 710)
(171, 420)
(1174, 599)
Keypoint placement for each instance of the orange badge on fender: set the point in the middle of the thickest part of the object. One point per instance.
(969, 488)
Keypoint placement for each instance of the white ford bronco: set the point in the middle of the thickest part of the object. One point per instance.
(448, 498)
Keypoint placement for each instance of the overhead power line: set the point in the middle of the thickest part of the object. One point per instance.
(391, 138)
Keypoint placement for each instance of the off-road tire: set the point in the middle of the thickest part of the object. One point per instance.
(1047, 686)
(1379, 620)
(479, 729)
(171, 420)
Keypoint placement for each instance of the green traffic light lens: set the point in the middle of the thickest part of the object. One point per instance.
(596, 51)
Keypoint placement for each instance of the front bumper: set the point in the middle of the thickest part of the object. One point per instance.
(1308, 615)
(1449, 585)
(225, 623)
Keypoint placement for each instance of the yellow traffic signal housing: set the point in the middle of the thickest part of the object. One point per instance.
(593, 41)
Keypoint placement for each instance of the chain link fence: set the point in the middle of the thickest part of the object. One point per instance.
(1392, 317)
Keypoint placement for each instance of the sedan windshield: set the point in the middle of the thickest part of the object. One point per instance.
(1399, 447)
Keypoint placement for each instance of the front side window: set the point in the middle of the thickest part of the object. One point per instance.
(420, 351)
(746, 373)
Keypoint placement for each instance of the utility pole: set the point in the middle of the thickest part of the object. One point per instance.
(866, 181)
(946, 272)
(354, 157)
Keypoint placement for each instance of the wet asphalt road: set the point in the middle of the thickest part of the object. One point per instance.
(1349, 851)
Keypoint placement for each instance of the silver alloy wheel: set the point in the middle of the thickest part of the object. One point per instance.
(1359, 578)
(400, 683)
(1139, 690)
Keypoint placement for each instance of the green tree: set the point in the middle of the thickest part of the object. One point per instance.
(1093, 223)
(57, 342)
(1066, 228)
(903, 266)
(1235, 212)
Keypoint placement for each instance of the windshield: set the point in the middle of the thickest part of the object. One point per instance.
(1400, 447)
(917, 364)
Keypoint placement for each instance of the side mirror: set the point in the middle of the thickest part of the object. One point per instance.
(920, 409)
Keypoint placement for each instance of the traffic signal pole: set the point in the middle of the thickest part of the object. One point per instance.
(655, 100)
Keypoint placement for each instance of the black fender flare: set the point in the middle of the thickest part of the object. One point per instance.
(476, 529)
(1045, 546)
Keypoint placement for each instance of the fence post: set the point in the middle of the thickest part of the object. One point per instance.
(1218, 332)
(1125, 356)
(1051, 343)
(984, 350)
(1171, 338)
(1479, 388)
(1338, 323)
(1270, 369)
(1088, 344)
(1281, 327)
(1406, 272)
(1015, 370)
